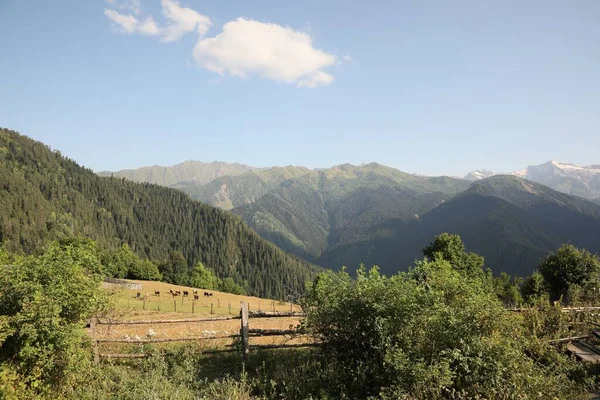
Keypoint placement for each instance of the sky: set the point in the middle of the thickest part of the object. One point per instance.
(430, 87)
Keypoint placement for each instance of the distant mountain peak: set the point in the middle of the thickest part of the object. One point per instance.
(478, 175)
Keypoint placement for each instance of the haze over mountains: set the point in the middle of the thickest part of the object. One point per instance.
(375, 214)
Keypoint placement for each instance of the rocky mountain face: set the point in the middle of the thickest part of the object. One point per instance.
(564, 177)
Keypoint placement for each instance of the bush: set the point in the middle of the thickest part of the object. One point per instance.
(431, 333)
(44, 304)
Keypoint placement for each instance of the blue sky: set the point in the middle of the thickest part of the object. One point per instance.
(434, 87)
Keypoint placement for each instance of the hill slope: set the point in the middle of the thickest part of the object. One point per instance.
(229, 191)
(332, 216)
(45, 195)
(194, 171)
(512, 222)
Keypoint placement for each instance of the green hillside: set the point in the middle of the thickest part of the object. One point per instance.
(194, 171)
(333, 216)
(512, 222)
(45, 195)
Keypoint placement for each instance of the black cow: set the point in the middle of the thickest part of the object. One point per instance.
(186, 293)
(137, 296)
(196, 297)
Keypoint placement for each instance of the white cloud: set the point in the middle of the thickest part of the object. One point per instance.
(128, 23)
(149, 27)
(182, 20)
(244, 47)
(133, 6)
(270, 50)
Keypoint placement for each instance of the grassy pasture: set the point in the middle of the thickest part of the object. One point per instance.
(162, 306)
(129, 307)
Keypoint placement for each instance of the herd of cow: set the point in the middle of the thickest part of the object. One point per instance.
(175, 293)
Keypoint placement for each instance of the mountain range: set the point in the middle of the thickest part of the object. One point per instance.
(45, 196)
(375, 214)
(564, 177)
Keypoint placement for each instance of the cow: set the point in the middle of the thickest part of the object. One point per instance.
(157, 292)
(196, 297)
(195, 291)
(178, 292)
(186, 293)
(137, 296)
(171, 291)
(207, 294)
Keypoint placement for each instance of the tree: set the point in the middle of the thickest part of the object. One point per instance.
(44, 304)
(507, 289)
(202, 277)
(570, 269)
(149, 271)
(451, 248)
(175, 270)
(228, 285)
(124, 263)
(533, 287)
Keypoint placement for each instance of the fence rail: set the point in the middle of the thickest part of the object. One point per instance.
(245, 333)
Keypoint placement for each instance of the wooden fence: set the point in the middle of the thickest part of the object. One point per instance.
(244, 334)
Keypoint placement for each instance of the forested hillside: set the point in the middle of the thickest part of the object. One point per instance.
(334, 216)
(45, 195)
(512, 222)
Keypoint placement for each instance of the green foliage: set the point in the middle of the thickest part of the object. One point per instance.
(175, 269)
(204, 278)
(508, 289)
(44, 304)
(533, 287)
(431, 333)
(451, 248)
(45, 196)
(228, 285)
(327, 216)
(570, 272)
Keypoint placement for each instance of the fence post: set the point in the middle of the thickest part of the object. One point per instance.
(158, 305)
(144, 302)
(193, 306)
(273, 306)
(175, 305)
(291, 307)
(211, 308)
(181, 300)
(93, 322)
(244, 331)
(259, 305)
(218, 303)
(229, 307)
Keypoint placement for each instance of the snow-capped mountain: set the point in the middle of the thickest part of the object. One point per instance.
(478, 175)
(564, 177)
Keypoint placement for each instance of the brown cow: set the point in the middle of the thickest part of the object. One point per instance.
(157, 292)
(196, 297)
